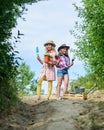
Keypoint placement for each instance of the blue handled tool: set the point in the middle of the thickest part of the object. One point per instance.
(37, 50)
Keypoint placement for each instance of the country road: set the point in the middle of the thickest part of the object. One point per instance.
(67, 114)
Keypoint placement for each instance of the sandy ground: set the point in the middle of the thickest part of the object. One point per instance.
(71, 113)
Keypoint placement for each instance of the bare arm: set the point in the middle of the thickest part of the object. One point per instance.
(38, 58)
(71, 64)
(51, 62)
(57, 62)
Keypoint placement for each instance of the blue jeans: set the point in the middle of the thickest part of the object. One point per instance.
(62, 72)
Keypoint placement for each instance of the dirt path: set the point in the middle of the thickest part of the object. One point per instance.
(67, 114)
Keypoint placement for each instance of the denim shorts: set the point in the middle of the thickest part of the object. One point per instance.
(62, 72)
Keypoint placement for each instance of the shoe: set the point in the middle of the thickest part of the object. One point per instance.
(59, 98)
(47, 99)
(37, 100)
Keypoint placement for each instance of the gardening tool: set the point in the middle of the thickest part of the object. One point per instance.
(91, 89)
(37, 50)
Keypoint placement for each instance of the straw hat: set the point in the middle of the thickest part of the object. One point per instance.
(63, 46)
(50, 42)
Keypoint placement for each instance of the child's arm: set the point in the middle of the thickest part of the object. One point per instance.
(52, 62)
(38, 58)
(71, 64)
(57, 62)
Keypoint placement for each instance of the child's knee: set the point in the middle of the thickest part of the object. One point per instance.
(59, 83)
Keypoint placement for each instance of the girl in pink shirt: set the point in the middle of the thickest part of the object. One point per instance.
(48, 70)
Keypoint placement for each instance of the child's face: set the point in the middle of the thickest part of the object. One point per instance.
(64, 51)
(48, 47)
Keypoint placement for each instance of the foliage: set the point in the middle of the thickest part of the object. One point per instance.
(90, 39)
(48, 55)
(8, 65)
(88, 81)
(10, 10)
(25, 80)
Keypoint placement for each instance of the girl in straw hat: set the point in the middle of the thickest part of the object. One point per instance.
(48, 70)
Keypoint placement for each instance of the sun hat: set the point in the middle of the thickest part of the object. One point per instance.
(63, 46)
(50, 42)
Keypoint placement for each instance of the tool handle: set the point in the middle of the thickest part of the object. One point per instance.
(37, 50)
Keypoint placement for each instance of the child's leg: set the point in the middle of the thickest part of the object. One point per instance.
(49, 89)
(39, 85)
(60, 78)
(66, 81)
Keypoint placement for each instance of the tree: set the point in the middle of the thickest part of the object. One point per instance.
(90, 39)
(88, 81)
(10, 10)
(26, 84)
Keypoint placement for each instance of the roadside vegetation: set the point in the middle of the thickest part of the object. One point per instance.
(90, 42)
(10, 10)
(17, 79)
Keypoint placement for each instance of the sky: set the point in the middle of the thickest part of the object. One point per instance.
(48, 20)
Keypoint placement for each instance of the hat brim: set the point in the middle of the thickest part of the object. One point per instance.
(61, 47)
(50, 44)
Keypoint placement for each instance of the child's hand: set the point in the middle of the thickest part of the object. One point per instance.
(57, 57)
(58, 61)
(50, 63)
(71, 64)
(38, 57)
